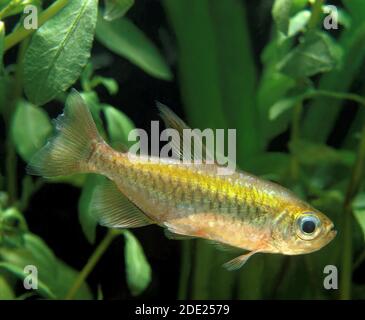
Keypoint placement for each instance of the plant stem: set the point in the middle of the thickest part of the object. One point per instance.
(337, 95)
(21, 33)
(353, 187)
(316, 14)
(91, 263)
(11, 159)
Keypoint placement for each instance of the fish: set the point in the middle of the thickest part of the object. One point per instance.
(189, 200)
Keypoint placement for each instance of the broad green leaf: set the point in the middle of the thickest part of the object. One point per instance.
(6, 291)
(116, 8)
(119, 125)
(236, 74)
(358, 206)
(273, 87)
(281, 14)
(87, 221)
(19, 273)
(123, 38)
(4, 3)
(59, 50)
(317, 53)
(310, 153)
(137, 267)
(30, 128)
(298, 22)
(356, 8)
(270, 165)
(55, 277)
(352, 41)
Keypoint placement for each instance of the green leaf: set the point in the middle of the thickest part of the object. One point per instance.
(59, 50)
(270, 165)
(125, 39)
(137, 267)
(298, 22)
(358, 206)
(281, 14)
(12, 227)
(317, 53)
(341, 80)
(18, 272)
(54, 276)
(4, 3)
(310, 153)
(119, 125)
(30, 128)
(116, 8)
(12, 7)
(283, 105)
(273, 87)
(109, 83)
(87, 221)
(6, 291)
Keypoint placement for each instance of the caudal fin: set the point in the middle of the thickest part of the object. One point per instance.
(73, 144)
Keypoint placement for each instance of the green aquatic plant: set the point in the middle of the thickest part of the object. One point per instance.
(217, 71)
(50, 60)
(286, 103)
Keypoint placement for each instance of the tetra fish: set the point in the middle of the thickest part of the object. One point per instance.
(188, 200)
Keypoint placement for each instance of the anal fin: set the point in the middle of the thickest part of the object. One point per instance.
(239, 261)
(114, 210)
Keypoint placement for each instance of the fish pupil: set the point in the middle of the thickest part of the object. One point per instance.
(308, 226)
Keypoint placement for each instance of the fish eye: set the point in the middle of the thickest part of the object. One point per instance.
(308, 226)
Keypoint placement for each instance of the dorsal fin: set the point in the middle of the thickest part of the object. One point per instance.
(113, 209)
(171, 120)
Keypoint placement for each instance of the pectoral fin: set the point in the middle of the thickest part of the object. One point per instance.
(176, 236)
(114, 210)
(238, 262)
